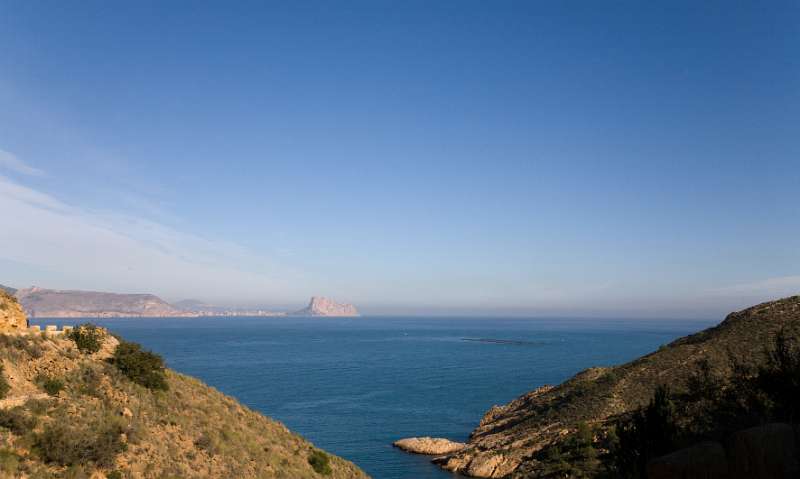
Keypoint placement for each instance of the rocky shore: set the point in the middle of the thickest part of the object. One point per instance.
(432, 446)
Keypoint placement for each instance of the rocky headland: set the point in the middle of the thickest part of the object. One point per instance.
(570, 430)
(319, 306)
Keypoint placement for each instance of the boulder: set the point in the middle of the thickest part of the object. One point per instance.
(433, 446)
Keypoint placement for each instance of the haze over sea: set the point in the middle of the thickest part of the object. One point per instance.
(354, 385)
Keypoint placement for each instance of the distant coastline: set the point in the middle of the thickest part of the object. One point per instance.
(51, 303)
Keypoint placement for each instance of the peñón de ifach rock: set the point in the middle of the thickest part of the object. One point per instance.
(319, 306)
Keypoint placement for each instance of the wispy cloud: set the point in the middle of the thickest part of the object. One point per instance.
(115, 252)
(778, 286)
(11, 162)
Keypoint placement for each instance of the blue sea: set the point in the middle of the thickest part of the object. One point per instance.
(352, 386)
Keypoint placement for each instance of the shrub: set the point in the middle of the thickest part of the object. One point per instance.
(114, 475)
(16, 420)
(4, 386)
(649, 433)
(87, 380)
(9, 462)
(207, 443)
(51, 386)
(779, 378)
(67, 442)
(320, 462)
(142, 367)
(88, 338)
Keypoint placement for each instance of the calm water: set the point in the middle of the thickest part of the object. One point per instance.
(352, 386)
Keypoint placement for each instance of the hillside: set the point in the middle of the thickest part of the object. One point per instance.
(11, 315)
(319, 306)
(509, 438)
(50, 303)
(115, 413)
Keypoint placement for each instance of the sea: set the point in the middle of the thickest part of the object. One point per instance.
(354, 385)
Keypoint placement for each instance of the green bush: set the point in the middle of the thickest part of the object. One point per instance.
(320, 462)
(51, 386)
(4, 386)
(88, 338)
(142, 367)
(114, 475)
(67, 442)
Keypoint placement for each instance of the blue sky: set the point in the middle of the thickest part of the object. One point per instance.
(520, 158)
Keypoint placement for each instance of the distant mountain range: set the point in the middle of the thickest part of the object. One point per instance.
(51, 303)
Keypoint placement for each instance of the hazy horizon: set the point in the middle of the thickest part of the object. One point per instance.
(470, 158)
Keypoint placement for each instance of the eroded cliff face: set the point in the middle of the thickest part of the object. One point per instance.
(508, 437)
(12, 317)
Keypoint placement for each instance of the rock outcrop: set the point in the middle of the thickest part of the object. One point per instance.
(319, 306)
(432, 446)
(51, 303)
(509, 437)
(12, 318)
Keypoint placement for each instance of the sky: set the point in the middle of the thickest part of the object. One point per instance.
(514, 158)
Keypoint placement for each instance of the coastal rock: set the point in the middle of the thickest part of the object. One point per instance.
(433, 446)
(319, 306)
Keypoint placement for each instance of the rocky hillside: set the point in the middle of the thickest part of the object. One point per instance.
(509, 438)
(12, 318)
(115, 413)
(8, 289)
(319, 306)
(51, 303)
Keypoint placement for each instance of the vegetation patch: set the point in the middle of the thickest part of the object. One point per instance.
(50, 385)
(4, 386)
(9, 462)
(17, 421)
(320, 462)
(67, 441)
(142, 367)
(713, 407)
(88, 338)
